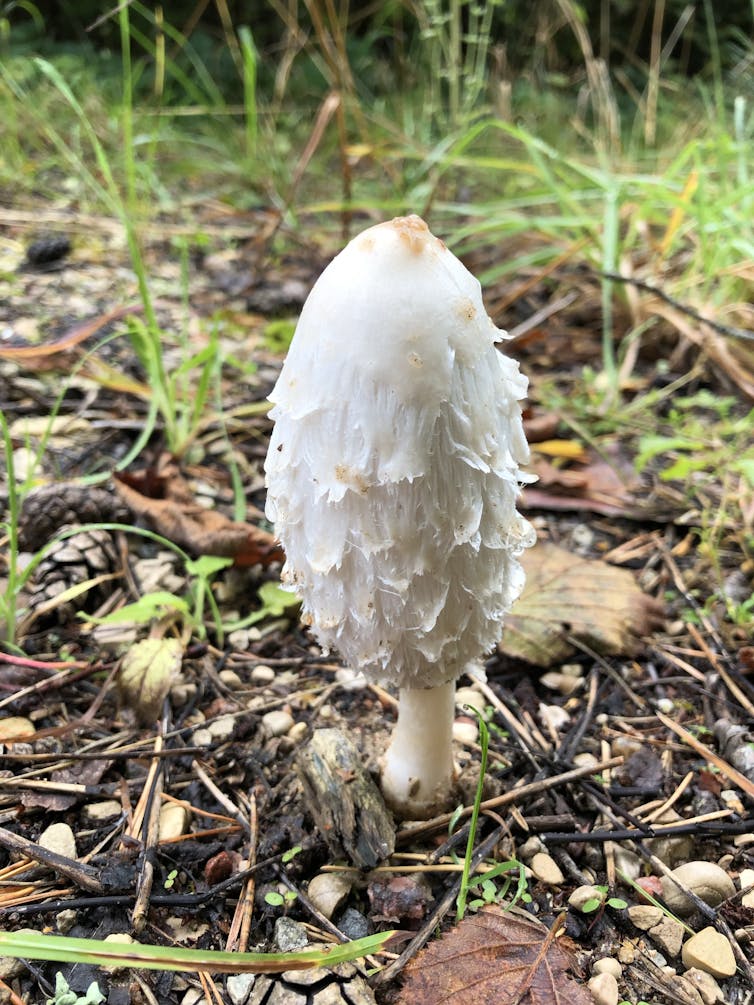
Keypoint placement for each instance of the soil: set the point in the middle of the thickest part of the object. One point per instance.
(650, 721)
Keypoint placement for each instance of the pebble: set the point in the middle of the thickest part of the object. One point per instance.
(585, 760)
(262, 674)
(328, 890)
(471, 697)
(706, 879)
(746, 879)
(353, 924)
(193, 997)
(608, 965)
(60, 839)
(290, 935)
(231, 679)
(298, 732)
(604, 989)
(239, 640)
(65, 920)
(222, 728)
(708, 988)
(465, 731)
(645, 916)
(564, 683)
(239, 987)
(668, 935)
(182, 693)
(666, 706)
(121, 937)
(174, 819)
(683, 990)
(530, 847)
(546, 869)
(628, 862)
(553, 716)
(671, 850)
(97, 813)
(626, 952)
(582, 895)
(709, 951)
(202, 738)
(14, 727)
(350, 680)
(277, 722)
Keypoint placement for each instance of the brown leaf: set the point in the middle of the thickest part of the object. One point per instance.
(82, 773)
(162, 497)
(595, 486)
(79, 333)
(494, 956)
(570, 596)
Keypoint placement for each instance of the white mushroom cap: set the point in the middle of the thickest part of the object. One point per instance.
(393, 466)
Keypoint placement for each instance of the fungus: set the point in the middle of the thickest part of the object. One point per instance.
(392, 477)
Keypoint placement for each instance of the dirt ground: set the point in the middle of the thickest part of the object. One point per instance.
(619, 705)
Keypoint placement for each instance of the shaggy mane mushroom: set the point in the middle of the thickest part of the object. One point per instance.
(392, 474)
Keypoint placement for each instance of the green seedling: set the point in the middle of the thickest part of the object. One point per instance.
(276, 899)
(596, 903)
(65, 996)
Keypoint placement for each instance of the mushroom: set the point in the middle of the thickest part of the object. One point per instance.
(392, 477)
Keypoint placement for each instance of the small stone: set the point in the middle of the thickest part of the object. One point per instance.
(353, 924)
(546, 869)
(239, 987)
(328, 890)
(585, 760)
(193, 996)
(671, 850)
(15, 727)
(222, 728)
(645, 916)
(553, 716)
(471, 697)
(239, 640)
(290, 936)
(666, 706)
(465, 731)
(530, 847)
(277, 722)
(582, 895)
(120, 937)
(608, 965)
(182, 693)
(626, 952)
(60, 839)
(627, 862)
(668, 935)
(350, 680)
(604, 989)
(298, 732)
(564, 683)
(174, 819)
(743, 840)
(98, 813)
(708, 988)
(706, 879)
(683, 990)
(65, 920)
(746, 879)
(231, 679)
(262, 674)
(202, 738)
(709, 951)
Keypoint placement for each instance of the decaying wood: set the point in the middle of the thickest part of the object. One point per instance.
(84, 876)
(344, 801)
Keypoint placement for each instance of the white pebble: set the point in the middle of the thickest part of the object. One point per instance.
(604, 989)
(465, 731)
(262, 674)
(277, 722)
(608, 965)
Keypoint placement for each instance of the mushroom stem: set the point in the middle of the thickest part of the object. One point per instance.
(417, 771)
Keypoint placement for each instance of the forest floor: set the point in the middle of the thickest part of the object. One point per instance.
(619, 704)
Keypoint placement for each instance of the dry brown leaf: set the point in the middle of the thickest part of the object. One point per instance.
(494, 956)
(595, 486)
(163, 498)
(570, 596)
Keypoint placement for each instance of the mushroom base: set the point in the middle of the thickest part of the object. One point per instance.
(417, 769)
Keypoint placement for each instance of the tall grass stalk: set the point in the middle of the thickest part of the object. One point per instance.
(249, 54)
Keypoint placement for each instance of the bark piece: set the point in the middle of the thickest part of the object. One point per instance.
(344, 801)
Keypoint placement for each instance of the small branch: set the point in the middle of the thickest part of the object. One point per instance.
(82, 875)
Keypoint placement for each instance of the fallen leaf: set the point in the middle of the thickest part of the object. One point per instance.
(163, 498)
(589, 600)
(147, 673)
(494, 956)
(595, 486)
(82, 773)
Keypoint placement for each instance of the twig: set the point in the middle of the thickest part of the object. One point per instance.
(442, 908)
(151, 836)
(82, 876)
(691, 312)
(226, 803)
(514, 796)
(720, 763)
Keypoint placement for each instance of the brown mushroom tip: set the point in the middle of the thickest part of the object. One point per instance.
(414, 233)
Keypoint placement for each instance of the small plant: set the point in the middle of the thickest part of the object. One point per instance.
(603, 901)
(276, 899)
(65, 996)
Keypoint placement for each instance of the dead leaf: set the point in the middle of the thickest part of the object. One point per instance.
(79, 333)
(81, 773)
(494, 956)
(162, 497)
(147, 673)
(570, 596)
(595, 486)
